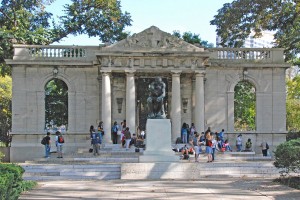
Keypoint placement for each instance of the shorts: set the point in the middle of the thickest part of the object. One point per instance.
(197, 149)
(208, 150)
(59, 148)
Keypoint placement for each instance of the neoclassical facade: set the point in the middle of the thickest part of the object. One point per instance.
(105, 84)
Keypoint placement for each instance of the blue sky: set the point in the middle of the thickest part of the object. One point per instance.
(167, 15)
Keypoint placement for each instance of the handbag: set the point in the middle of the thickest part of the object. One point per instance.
(119, 133)
(91, 150)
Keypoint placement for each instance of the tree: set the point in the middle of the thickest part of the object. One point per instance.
(27, 22)
(293, 103)
(56, 103)
(5, 108)
(236, 20)
(244, 106)
(193, 39)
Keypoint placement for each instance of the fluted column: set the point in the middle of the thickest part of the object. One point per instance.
(106, 105)
(130, 101)
(199, 104)
(176, 105)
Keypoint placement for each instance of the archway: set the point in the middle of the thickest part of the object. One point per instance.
(56, 105)
(244, 106)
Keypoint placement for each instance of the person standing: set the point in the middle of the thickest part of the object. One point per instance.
(59, 144)
(101, 130)
(95, 140)
(184, 132)
(208, 144)
(127, 136)
(195, 142)
(214, 147)
(114, 132)
(264, 146)
(239, 143)
(47, 145)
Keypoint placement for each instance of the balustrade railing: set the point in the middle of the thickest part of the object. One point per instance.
(60, 52)
(52, 52)
(263, 54)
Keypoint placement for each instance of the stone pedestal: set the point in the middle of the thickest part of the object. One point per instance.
(158, 146)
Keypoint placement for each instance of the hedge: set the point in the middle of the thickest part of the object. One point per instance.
(11, 182)
(287, 157)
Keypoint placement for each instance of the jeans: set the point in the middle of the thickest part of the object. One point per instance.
(47, 150)
(184, 138)
(213, 153)
(114, 138)
(239, 147)
(127, 143)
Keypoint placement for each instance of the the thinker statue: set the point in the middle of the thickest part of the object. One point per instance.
(157, 92)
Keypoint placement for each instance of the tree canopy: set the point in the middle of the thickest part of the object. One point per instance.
(236, 20)
(193, 38)
(27, 22)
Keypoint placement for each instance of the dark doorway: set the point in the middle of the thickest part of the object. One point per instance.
(142, 95)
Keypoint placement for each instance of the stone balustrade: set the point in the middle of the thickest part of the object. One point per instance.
(52, 52)
(60, 52)
(271, 55)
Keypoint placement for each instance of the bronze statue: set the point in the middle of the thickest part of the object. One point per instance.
(157, 92)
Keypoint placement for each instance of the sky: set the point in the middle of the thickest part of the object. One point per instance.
(168, 15)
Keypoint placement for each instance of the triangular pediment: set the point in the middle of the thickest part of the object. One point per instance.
(153, 39)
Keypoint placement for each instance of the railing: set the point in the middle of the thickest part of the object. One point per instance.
(61, 52)
(263, 54)
(52, 52)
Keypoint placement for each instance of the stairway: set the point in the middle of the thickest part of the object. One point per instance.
(114, 162)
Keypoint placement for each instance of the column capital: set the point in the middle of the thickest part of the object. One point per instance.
(105, 71)
(129, 72)
(200, 73)
(176, 72)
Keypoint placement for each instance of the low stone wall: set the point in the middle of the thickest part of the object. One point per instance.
(6, 152)
(196, 171)
(28, 147)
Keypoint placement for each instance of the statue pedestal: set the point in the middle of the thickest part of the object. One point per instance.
(158, 145)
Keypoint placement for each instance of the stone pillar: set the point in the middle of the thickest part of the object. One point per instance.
(106, 106)
(199, 102)
(130, 101)
(230, 111)
(176, 105)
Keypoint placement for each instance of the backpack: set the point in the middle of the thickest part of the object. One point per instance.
(267, 146)
(44, 141)
(61, 139)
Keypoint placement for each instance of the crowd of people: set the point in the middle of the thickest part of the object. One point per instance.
(194, 142)
(211, 142)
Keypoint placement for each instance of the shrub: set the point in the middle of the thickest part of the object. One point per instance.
(11, 182)
(287, 157)
(292, 135)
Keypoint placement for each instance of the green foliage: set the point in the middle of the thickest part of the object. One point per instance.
(290, 181)
(292, 135)
(193, 39)
(102, 18)
(1, 155)
(236, 20)
(293, 103)
(287, 157)
(56, 102)
(5, 108)
(11, 182)
(27, 22)
(244, 106)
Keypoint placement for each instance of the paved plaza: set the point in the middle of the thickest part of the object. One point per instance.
(221, 189)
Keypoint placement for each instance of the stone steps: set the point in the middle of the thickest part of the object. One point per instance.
(35, 171)
(115, 162)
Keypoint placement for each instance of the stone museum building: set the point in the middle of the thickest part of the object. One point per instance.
(110, 83)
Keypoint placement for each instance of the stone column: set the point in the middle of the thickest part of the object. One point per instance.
(176, 105)
(130, 101)
(199, 102)
(106, 106)
(230, 111)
